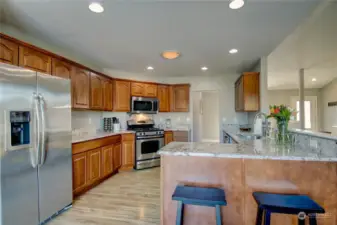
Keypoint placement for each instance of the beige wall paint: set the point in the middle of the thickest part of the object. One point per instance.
(329, 114)
(210, 117)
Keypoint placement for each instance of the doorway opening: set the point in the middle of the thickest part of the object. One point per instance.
(206, 127)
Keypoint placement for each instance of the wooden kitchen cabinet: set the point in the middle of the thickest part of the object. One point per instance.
(128, 152)
(107, 95)
(151, 90)
(138, 89)
(168, 136)
(80, 164)
(107, 160)
(61, 68)
(96, 92)
(247, 92)
(9, 52)
(121, 96)
(163, 97)
(80, 88)
(94, 168)
(34, 60)
(117, 156)
(180, 98)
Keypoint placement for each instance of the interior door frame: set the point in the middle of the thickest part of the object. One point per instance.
(314, 108)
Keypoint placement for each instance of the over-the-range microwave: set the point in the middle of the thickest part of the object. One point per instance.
(144, 105)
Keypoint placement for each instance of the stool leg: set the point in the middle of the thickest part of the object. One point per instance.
(180, 213)
(312, 219)
(218, 215)
(267, 218)
(259, 216)
(301, 222)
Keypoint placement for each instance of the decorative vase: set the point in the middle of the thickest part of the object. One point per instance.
(282, 134)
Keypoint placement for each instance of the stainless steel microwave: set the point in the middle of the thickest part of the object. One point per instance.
(144, 105)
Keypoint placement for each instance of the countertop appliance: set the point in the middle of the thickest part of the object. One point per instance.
(144, 105)
(148, 141)
(35, 146)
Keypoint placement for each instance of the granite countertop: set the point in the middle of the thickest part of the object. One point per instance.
(254, 149)
(92, 136)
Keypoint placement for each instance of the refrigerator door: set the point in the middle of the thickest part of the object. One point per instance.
(55, 166)
(18, 147)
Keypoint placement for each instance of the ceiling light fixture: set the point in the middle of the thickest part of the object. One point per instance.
(233, 51)
(170, 54)
(236, 4)
(204, 68)
(313, 79)
(150, 68)
(96, 7)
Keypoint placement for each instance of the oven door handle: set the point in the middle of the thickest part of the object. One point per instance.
(149, 139)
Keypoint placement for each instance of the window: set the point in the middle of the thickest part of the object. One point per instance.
(307, 111)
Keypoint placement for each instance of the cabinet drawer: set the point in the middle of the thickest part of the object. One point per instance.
(180, 134)
(128, 137)
(92, 144)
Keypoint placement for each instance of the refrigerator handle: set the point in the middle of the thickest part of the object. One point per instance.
(43, 131)
(34, 155)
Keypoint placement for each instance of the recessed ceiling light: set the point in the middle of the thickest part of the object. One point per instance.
(233, 51)
(150, 68)
(96, 7)
(204, 68)
(236, 4)
(313, 79)
(170, 54)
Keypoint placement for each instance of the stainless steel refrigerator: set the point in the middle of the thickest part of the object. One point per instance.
(35, 146)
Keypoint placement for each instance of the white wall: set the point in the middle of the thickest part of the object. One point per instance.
(329, 114)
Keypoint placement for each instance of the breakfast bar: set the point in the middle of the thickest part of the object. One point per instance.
(241, 169)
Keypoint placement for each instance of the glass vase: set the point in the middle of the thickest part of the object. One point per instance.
(282, 134)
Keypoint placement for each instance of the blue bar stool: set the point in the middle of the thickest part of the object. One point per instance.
(211, 197)
(300, 205)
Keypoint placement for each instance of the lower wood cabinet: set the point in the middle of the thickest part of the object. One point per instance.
(80, 164)
(128, 152)
(107, 160)
(168, 135)
(94, 165)
(117, 156)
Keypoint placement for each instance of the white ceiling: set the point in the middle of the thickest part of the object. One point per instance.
(130, 35)
(312, 46)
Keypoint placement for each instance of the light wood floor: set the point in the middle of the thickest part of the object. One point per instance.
(130, 198)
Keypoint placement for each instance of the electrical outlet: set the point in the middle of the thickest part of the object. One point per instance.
(313, 143)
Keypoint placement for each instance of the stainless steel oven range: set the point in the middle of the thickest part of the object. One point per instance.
(148, 141)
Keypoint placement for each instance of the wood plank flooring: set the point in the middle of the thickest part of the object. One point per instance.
(129, 198)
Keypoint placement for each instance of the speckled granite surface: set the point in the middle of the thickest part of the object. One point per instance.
(257, 149)
(92, 136)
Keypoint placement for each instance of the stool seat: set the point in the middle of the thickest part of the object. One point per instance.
(288, 204)
(199, 196)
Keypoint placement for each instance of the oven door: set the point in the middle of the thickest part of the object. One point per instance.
(144, 105)
(148, 148)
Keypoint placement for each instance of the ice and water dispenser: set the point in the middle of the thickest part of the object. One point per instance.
(20, 129)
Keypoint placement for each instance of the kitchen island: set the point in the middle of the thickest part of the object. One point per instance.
(241, 169)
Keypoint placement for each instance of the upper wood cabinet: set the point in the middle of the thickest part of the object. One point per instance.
(247, 92)
(163, 97)
(107, 160)
(61, 68)
(180, 98)
(96, 91)
(34, 60)
(151, 90)
(117, 156)
(121, 96)
(168, 135)
(9, 52)
(137, 89)
(80, 163)
(107, 95)
(128, 151)
(80, 88)
(94, 168)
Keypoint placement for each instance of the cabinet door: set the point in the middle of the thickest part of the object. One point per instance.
(181, 98)
(251, 92)
(151, 90)
(121, 95)
(137, 89)
(94, 165)
(96, 91)
(80, 164)
(107, 95)
(9, 52)
(163, 97)
(117, 156)
(168, 137)
(128, 154)
(61, 68)
(107, 160)
(80, 88)
(34, 60)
